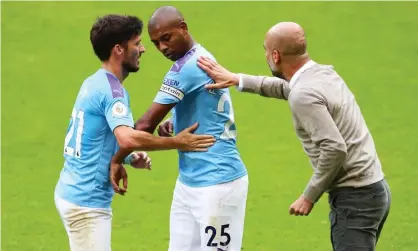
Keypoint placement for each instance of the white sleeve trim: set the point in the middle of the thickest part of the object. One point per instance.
(240, 85)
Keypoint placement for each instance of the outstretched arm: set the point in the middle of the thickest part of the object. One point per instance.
(271, 87)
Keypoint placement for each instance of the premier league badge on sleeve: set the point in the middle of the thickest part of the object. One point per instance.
(119, 110)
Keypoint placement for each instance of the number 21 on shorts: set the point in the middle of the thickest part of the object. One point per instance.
(224, 237)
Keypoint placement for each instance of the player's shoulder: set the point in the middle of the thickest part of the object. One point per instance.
(202, 51)
(105, 83)
(305, 95)
(188, 64)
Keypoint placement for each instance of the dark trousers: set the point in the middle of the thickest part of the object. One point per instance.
(357, 216)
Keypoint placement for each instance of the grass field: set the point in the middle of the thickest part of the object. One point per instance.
(46, 54)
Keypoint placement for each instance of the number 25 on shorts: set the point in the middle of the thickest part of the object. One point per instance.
(211, 231)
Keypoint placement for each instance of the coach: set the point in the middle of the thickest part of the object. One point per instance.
(329, 123)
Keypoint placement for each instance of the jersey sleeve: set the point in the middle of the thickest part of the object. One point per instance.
(177, 84)
(118, 111)
(173, 88)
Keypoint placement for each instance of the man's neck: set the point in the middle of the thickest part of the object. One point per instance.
(115, 69)
(191, 44)
(294, 66)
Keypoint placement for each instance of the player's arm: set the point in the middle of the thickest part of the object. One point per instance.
(155, 114)
(265, 86)
(130, 140)
(165, 100)
(168, 96)
(144, 127)
(166, 128)
(120, 121)
(310, 110)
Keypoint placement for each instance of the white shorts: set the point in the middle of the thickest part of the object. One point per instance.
(208, 218)
(88, 229)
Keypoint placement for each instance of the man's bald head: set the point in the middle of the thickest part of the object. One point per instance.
(165, 16)
(287, 38)
(169, 32)
(285, 46)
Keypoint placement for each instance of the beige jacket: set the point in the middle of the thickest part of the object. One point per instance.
(330, 125)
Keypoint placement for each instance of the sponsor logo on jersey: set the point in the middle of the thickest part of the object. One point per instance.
(171, 82)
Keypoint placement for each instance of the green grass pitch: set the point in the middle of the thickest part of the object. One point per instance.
(46, 54)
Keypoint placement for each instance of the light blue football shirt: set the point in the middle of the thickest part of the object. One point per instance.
(102, 104)
(184, 86)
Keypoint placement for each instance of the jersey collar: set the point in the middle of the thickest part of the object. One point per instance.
(296, 76)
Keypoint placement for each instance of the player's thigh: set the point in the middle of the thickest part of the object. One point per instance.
(88, 229)
(62, 207)
(184, 230)
(101, 228)
(222, 215)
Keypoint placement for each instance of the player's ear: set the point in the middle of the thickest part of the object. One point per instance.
(118, 49)
(184, 27)
(276, 56)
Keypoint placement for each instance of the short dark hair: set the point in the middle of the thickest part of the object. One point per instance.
(111, 30)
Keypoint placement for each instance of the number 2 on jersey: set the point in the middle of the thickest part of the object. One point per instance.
(68, 150)
(228, 133)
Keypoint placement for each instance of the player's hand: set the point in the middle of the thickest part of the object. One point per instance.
(166, 129)
(189, 142)
(222, 77)
(140, 160)
(301, 207)
(117, 173)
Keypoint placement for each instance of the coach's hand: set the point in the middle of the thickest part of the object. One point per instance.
(117, 173)
(166, 129)
(189, 142)
(301, 207)
(222, 77)
(140, 160)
